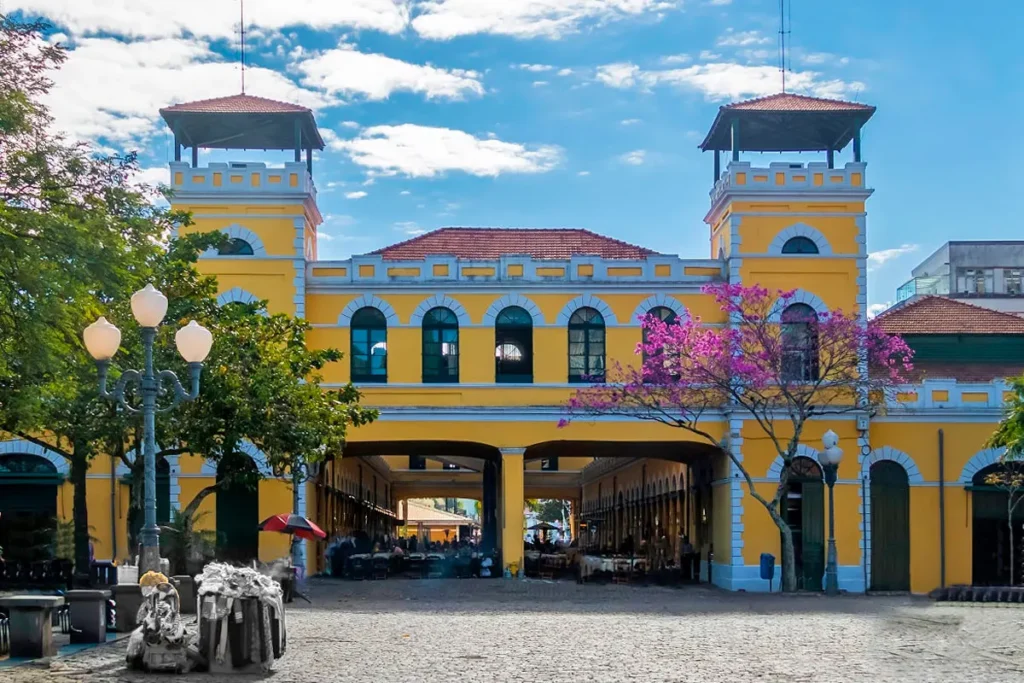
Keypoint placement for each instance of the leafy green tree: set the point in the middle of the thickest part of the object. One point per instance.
(1010, 477)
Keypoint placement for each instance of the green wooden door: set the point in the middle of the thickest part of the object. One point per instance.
(890, 527)
(812, 535)
(238, 517)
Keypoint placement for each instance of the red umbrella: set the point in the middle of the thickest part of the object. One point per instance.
(293, 524)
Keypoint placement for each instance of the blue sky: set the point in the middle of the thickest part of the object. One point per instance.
(568, 113)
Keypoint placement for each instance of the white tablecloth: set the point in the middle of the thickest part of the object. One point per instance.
(590, 564)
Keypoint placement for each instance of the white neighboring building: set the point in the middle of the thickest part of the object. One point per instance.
(988, 273)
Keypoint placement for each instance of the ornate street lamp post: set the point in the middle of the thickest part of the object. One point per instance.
(102, 339)
(829, 458)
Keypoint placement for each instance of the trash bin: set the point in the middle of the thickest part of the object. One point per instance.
(768, 569)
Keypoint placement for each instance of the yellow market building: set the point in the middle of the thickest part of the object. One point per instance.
(470, 341)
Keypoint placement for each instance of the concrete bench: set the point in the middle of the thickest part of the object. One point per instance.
(128, 598)
(88, 615)
(31, 630)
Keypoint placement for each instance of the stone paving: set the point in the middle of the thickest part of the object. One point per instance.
(454, 631)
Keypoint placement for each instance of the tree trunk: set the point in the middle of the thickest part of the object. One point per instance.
(80, 512)
(190, 509)
(788, 551)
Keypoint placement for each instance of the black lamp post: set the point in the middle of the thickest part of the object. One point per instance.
(830, 458)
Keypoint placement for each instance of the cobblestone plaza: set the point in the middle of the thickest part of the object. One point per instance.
(478, 630)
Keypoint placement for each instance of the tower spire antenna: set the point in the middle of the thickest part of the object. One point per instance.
(241, 31)
(785, 27)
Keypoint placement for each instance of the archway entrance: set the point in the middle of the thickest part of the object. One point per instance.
(890, 527)
(805, 514)
(991, 532)
(28, 507)
(238, 510)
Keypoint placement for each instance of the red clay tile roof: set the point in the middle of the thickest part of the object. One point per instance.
(236, 104)
(964, 372)
(940, 315)
(791, 102)
(493, 243)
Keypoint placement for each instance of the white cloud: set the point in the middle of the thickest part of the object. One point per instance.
(405, 193)
(445, 19)
(113, 90)
(676, 59)
(818, 58)
(634, 158)
(708, 56)
(726, 80)
(565, 72)
(539, 84)
(425, 151)
(875, 309)
(720, 2)
(618, 75)
(321, 235)
(533, 67)
(409, 228)
(213, 19)
(349, 124)
(56, 38)
(346, 71)
(157, 175)
(742, 39)
(877, 259)
(583, 173)
(359, 194)
(629, 122)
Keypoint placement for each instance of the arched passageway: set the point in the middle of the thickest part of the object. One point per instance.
(28, 507)
(991, 526)
(238, 509)
(890, 527)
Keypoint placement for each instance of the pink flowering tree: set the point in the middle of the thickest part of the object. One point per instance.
(775, 361)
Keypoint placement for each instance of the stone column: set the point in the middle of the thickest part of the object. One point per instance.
(512, 508)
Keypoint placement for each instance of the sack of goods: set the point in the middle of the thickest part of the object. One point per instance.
(241, 619)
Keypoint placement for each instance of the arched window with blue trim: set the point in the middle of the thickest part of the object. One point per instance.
(369, 345)
(440, 346)
(800, 245)
(586, 346)
(235, 246)
(799, 344)
(513, 346)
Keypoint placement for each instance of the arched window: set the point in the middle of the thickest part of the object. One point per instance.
(799, 245)
(586, 346)
(513, 346)
(799, 344)
(440, 346)
(235, 247)
(664, 314)
(369, 350)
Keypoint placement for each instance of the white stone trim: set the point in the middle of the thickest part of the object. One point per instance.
(659, 300)
(801, 296)
(19, 446)
(980, 461)
(802, 450)
(237, 295)
(800, 230)
(209, 468)
(513, 299)
(587, 301)
(367, 301)
(439, 301)
(241, 232)
(914, 475)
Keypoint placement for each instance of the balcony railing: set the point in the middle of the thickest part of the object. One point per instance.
(816, 176)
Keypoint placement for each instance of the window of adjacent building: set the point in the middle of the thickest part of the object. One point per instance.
(586, 346)
(369, 349)
(799, 245)
(1012, 281)
(513, 346)
(549, 464)
(440, 346)
(799, 344)
(235, 247)
(975, 280)
(417, 462)
(450, 466)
